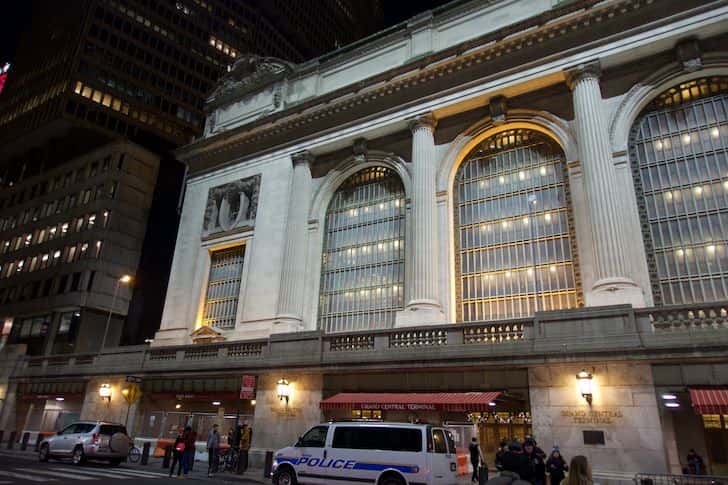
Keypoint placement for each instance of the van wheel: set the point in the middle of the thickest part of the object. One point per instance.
(43, 454)
(391, 480)
(78, 457)
(286, 477)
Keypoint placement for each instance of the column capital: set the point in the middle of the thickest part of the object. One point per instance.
(303, 157)
(587, 70)
(426, 121)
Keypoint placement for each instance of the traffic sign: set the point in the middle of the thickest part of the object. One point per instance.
(134, 379)
(132, 393)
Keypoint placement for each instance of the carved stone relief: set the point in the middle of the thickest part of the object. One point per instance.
(231, 206)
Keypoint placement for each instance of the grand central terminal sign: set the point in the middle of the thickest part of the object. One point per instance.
(591, 416)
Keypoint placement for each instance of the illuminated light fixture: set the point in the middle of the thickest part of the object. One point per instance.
(698, 190)
(216, 403)
(525, 221)
(252, 402)
(552, 269)
(658, 145)
(669, 397)
(679, 253)
(60, 399)
(547, 217)
(686, 139)
(710, 249)
(672, 404)
(521, 175)
(542, 170)
(584, 380)
(501, 179)
(491, 404)
(725, 185)
(105, 392)
(529, 272)
(715, 133)
(283, 390)
(508, 274)
(178, 405)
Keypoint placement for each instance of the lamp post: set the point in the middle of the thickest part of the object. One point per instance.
(125, 279)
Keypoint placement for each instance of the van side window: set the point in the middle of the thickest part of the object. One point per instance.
(439, 440)
(375, 438)
(450, 442)
(314, 438)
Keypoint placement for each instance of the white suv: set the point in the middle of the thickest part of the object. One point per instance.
(95, 440)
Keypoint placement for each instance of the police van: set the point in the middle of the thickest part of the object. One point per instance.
(369, 452)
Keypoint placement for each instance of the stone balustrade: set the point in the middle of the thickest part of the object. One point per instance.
(601, 329)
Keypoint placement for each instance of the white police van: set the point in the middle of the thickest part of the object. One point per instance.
(369, 452)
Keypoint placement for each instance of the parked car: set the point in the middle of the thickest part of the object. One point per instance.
(93, 440)
(382, 453)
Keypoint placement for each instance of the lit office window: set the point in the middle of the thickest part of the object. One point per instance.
(680, 159)
(513, 229)
(223, 287)
(362, 274)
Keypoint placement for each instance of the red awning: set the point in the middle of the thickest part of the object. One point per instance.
(441, 401)
(709, 401)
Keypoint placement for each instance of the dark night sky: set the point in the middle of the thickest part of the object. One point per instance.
(17, 16)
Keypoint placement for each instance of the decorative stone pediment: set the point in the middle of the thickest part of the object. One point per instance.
(247, 74)
(206, 335)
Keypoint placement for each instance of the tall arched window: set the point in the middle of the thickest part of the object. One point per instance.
(513, 229)
(362, 273)
(679, 155)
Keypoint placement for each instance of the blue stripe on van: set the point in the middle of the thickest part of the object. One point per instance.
(378, 467)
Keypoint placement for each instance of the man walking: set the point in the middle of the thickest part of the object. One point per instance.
(213, 446)
(476, 458)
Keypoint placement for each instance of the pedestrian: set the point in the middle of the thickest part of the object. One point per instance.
(696, 466)
(579, 472)
(246, 439)
(476, 458)
(502, 449)
(213, 447)
(189, 450)
(178, 449)
(556, 467)
(516, 462)
(538, 466)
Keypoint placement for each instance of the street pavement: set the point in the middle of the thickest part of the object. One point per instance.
(23, 467)
(18, 467)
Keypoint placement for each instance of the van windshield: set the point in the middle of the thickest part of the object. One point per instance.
(377, 438)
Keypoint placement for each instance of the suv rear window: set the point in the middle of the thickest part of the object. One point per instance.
(111, 430)
(376, 438)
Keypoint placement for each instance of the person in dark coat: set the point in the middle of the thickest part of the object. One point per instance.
(556, 466)
(502, 450)
(177, 452)
(696, 466)
(476, 458)
(189, 438)
(538, 466)
(515, 461)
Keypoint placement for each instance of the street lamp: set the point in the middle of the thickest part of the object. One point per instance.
(123, 280)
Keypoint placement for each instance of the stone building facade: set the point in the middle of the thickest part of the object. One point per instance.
(489, 199)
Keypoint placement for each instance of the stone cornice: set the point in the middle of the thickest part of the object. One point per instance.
(492, 47)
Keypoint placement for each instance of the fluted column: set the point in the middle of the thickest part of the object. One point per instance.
(290, 301)
(611, 269)
(423, 294)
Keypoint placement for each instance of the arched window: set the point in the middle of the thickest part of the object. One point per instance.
(513, 229)
(679, 155)
(362, 272)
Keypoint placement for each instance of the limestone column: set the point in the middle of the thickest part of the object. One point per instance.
(290, 301)
(424, 302)
(612, 284)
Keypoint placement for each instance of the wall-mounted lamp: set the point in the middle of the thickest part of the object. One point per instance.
(177, 406)
(105, 392)
(284, 390)
(252, 402)
(584, 379)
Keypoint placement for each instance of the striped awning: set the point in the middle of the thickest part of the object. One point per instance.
(441, 401)
(709, 401)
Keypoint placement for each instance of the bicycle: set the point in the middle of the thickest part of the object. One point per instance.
(134, 455)
(228, 460)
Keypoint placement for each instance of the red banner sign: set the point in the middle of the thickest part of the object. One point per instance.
(247, 388)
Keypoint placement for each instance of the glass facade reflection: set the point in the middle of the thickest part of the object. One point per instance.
(680, 162)
(362, 276)
(513, 229)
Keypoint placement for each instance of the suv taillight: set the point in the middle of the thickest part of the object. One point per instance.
(95, 438)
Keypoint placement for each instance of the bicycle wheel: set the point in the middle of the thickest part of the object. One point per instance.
(134, 455)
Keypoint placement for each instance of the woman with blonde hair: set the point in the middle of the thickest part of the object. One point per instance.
(579, 472)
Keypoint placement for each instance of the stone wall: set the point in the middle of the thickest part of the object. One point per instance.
(277, 425)
(624, 407)
(114, 410)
